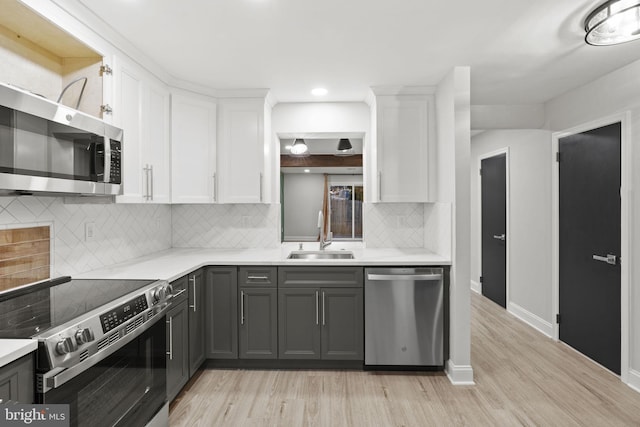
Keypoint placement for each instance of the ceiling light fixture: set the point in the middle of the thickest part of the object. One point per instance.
(319, 91)
(613, 22)
(344, 147)
(299, 147)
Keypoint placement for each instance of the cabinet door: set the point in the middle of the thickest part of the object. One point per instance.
(16, 381)
(403, 148)
(177, 349)
(193, 149)
(342, 324)
(241, 150)
(258, 323)
(197, 309)
(141, 109)
(221, 315)
(299, 323)
(156, 149)
(127, 114)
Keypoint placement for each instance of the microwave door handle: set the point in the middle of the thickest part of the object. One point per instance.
(107, 160)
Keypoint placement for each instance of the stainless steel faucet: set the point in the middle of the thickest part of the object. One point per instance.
(324, 242)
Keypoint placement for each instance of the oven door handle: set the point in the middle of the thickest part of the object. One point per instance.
(59, 376)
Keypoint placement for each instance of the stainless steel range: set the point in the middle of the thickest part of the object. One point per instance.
(101, 346)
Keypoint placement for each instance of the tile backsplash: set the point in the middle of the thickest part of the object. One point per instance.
(226, 226)
(394, 225)
(125, 231)
(121, 231)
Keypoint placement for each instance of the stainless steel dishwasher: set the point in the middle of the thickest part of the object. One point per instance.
(404, 317)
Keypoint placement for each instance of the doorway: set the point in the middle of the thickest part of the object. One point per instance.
(494, 236)
(591, 232)
(589, 243)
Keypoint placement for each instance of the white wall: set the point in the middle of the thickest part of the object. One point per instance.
(303, 195)
(616, 92)
(453, 156)
(529, 220)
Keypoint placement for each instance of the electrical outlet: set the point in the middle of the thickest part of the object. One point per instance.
(89, 231)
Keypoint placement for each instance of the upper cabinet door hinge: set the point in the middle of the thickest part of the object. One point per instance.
(558, 157)
(106, 109)
(105, 69)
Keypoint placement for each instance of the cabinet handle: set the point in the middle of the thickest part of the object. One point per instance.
(257, 278)
(242, 307)
(146, 182)
(170, 352)
(151, 182)
(323, 322)
(261, 187)
(193, 282)
(379, 186)
(215, 188)
(317, 302)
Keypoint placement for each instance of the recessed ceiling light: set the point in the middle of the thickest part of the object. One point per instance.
(307, 170)
(319, 91)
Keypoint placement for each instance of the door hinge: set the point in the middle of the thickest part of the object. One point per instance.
(558, 318)
(481, 279)
(480, 171)
(106, 109)
(558, 157)
(105, 69)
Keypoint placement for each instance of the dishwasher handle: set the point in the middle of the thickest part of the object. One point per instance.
(386, 277)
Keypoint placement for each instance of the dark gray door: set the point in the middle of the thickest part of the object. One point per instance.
(589, 243)
(221, 316)
(196, 320)
(342, 326)
(178, 349)
(299, 323)
(258, 323)
(494, 228)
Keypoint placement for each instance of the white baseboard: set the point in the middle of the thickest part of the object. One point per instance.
(476, 287)
(459, 375)
(634, 380)
(530, 319)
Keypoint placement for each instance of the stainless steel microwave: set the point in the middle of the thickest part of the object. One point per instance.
(48, 148)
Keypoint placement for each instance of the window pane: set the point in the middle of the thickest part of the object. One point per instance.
(341, 211)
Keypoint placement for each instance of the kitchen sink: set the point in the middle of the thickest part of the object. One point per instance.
(321, 255)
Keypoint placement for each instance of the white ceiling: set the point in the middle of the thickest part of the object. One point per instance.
(519, 51)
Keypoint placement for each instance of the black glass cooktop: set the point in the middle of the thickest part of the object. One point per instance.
(32, 310)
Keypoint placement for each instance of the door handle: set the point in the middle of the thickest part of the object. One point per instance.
(609, 259)
(500, 237)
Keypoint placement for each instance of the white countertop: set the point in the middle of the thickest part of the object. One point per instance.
(11, 349)
(175, 263)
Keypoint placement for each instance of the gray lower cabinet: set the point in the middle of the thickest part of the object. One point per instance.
(177, 348)
(16, 381)
(258, 317)
(221, 314)
(196, 290)
(321, 323)
(320, 313)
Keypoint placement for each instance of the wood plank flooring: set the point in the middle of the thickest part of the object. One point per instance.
(522, 378)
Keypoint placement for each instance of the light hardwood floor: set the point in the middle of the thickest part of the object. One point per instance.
(522, 378)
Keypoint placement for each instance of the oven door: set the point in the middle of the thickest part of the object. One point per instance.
(125, 389)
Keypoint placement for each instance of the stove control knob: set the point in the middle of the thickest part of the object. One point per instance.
(162, 292)
(84, 335)
(65, 346)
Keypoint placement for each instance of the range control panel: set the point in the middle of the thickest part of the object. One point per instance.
(118, 315)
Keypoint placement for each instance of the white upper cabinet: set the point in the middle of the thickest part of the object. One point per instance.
(402, 148)
(243, 134)
(141, 109)
(193, 148)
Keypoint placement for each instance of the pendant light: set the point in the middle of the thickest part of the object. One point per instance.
(344, 146)
(299, 147)
(613, 22)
